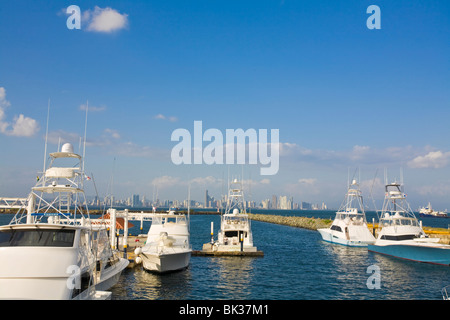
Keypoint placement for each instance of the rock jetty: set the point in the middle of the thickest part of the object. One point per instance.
(293, 221)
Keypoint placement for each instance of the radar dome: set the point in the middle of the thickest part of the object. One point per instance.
(67, 147)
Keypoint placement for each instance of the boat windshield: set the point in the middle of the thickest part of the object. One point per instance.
(235, 219)
(397, 221)
(37, 238)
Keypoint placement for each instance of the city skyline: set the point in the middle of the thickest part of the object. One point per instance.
(135, 201)
(342, 96)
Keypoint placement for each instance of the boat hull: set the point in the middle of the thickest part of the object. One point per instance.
(424, 215)
(334, 237)
(162, 263)
(421, 253)
(43, 273)
(111, 276)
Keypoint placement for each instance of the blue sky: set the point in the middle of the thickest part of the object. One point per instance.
(341, 95)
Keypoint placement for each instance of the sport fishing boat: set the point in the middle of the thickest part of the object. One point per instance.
(349, 227)
(235, 234)
(401, 234)
(50, 250)
(167, 247)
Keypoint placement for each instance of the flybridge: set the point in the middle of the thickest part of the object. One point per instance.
(255, 143)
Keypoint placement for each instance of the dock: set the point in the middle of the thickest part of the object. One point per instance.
(201, 253)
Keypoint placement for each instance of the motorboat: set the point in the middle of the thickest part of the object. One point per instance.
(401, 234)
(50, 250)
(235, 234)
(349, 227)
(168, 245)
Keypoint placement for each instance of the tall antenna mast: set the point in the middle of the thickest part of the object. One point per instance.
(189, 207)
(401, 176)
(46, 135)
(85, 129)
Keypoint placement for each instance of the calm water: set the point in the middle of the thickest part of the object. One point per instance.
(297, 265)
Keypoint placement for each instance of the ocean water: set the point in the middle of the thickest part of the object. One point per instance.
(297, 265)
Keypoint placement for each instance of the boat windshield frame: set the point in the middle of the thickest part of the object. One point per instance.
(37, 237)
(163, 218)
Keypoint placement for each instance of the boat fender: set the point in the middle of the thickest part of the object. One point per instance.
(138, 251)
(138, 260)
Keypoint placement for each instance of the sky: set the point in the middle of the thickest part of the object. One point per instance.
(346, 99)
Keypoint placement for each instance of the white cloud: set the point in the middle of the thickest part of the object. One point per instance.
(21, 126)
(24, 127)
(163, 117)
(433, 159)
(209, 180)
(166, 182)
(105, 20)
(160, 116)
(357, 155)
(113, 133)
(438, 189)
(3, 102)
(307, 181)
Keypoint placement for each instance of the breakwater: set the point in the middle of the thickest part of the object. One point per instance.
(293, 221)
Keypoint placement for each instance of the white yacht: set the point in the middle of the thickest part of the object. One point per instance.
(235, 234)
(401, 234)
(168, 246)
(50, 250)
(349, 226)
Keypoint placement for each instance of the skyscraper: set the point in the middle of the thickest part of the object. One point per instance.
(274, 202)
(135, 202)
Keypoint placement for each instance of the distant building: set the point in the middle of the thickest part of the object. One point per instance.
(305, 206)
(136, 202)
(274, 202)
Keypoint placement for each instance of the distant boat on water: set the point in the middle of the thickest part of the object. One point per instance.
(429, 212)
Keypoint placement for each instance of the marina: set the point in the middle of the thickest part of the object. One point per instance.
(330, 271)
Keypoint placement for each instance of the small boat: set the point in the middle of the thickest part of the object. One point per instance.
(428, 211)
(168, 246)
(401, 234)
(349, 227)
(235, 234)
(50, 250)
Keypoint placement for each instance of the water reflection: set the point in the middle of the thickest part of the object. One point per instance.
(297, 265)
(233, 277)
(138, 284)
